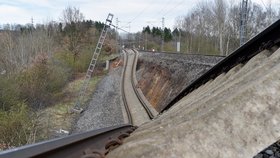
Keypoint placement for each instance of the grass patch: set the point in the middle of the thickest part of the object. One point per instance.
(59, 115)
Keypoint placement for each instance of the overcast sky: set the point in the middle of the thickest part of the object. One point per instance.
(139, 13)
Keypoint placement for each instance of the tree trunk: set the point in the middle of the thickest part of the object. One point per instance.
(221, 42)
(227, 49)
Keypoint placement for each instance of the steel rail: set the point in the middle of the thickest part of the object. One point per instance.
(145, 106)
(264, 40)
(96, 143)
(127, 109)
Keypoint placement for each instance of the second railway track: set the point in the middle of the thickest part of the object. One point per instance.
(127, 109)
(137, 108)
(148, 108)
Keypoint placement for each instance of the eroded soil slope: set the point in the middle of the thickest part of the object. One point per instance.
(161, 76)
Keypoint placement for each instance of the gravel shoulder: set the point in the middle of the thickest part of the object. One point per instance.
(104, 109)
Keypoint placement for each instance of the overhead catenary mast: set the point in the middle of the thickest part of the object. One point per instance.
(117, 35)
(162, 38)
(243, 21)
(77, 107)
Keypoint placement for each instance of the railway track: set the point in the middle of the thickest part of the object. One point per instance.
(126, 106)
(98, 143)
(231, 111)
(138, 99)
(149, 109)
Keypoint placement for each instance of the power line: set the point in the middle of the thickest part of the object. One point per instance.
(167, 12)
(166, 8)
(140, 13)
(147, 7)
(264, 5)
(155, 16)
(119, 28)
(135, 35)
(162, 9)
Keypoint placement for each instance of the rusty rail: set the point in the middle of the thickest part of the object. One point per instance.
(139, 97)
(91, 144)
(127, 109)
(144, 104)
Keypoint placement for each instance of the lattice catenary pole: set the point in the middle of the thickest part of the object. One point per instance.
(77, 107)
(243, 21)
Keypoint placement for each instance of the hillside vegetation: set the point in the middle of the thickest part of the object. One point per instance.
(42, 67)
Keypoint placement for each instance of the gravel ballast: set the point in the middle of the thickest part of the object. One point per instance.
(104, 109)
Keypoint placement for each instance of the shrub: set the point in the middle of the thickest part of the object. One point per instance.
(80, 64)
(16, 127)
(9, 94)
(40, 82)
(58, 76)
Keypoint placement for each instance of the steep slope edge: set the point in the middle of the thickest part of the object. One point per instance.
(161, 76)
(235, 115)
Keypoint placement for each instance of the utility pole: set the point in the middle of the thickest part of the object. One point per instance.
(129, 39)
(117, 35)
(243, 21)
(146, 47)
(162, 38)
(32, 21)
(179, 42)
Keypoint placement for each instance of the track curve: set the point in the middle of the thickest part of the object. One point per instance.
(128, 113)
(137, 107)
(141, 97)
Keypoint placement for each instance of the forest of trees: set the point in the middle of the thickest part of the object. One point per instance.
(211, 27)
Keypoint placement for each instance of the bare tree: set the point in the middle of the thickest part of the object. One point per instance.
(232, 29)
(220, 13)
(72, 19)
(19, 47)
(71, 15)
(216, 27)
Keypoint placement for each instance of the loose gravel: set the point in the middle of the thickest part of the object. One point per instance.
(104, 109)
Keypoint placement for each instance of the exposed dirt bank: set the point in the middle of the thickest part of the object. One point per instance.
(161, 76)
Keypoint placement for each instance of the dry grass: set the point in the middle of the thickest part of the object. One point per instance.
(59, 115)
